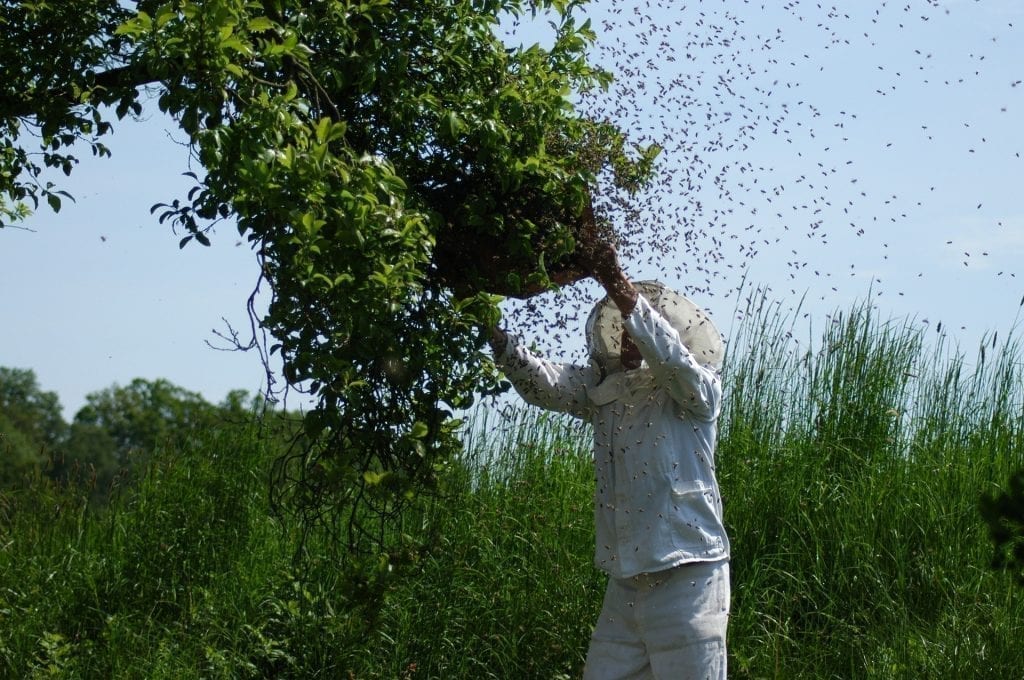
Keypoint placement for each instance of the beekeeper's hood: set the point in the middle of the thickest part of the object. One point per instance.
(698, 333)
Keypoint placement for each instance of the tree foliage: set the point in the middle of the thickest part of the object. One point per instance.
(113, 436)
(145, 415)
(34, 411)
(1004, 513)
(394, 166)
(19, 455)
(31, 425)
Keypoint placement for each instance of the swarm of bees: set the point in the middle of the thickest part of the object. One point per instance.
(755, 164)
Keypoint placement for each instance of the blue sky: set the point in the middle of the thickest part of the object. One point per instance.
(100, 293)
(882, 156)
(895, 170)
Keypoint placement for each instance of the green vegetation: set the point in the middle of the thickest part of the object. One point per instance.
(853, 475)
(853, 472)
(109, 441)
(393, 165)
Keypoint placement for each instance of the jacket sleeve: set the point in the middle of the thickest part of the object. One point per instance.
(695, 388)
(547, 384)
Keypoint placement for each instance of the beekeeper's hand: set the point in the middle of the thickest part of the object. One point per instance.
(498, 339)
(602, 262)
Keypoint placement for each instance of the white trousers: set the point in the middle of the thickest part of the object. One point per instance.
(664, 625)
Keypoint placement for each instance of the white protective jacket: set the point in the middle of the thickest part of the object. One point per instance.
(656, 501)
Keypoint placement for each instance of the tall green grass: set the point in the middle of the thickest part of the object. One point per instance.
(510, 591)
(852, 468)
(852, 462)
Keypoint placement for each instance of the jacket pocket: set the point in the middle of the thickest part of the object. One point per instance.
(696, 530)
(686, 490)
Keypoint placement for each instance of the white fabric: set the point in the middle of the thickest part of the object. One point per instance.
(657, 502)
(667, 625)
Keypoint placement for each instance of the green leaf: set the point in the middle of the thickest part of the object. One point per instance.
(137, 25)
(419, 430)
(323, 130)
(259, 24)
(165, 17)
(313, 422)
(452, 125)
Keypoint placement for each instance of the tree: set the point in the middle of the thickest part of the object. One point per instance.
(394, 166)
(32, 428)
(1003, 511)
(143, 416)
(19, 456)
(115, 434)
(33, 411)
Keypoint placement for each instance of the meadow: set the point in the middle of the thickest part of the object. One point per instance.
(852, 460)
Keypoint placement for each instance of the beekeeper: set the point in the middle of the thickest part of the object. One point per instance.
(653, 393)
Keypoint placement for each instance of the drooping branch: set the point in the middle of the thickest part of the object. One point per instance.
(108, 86)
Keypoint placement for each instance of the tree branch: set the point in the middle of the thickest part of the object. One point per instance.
(115, 79)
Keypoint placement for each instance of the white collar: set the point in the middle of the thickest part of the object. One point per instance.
(622, 384)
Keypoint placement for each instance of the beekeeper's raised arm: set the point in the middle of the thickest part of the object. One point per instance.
(683, 357)
(548, 384)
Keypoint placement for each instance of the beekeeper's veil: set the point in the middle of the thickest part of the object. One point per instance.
(698, 333)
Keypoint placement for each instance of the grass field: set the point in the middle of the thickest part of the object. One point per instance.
(851, 461)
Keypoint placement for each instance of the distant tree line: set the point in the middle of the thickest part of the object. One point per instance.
(111, 437)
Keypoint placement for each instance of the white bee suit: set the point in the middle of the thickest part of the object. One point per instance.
(657, 505)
